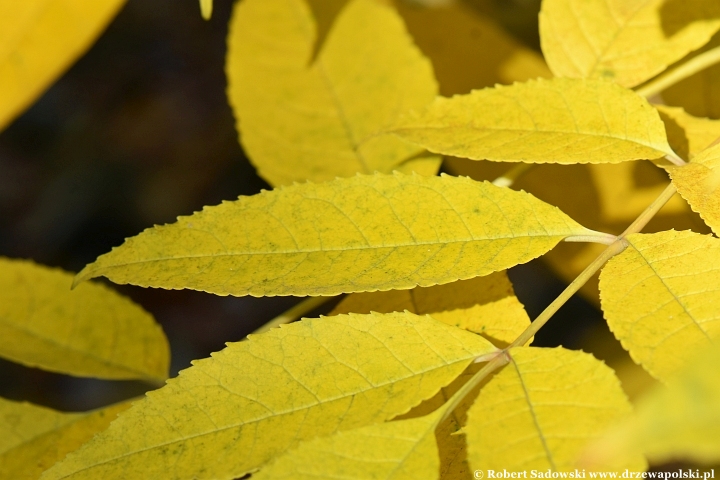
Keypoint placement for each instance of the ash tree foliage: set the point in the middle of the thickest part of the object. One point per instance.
(423, 371)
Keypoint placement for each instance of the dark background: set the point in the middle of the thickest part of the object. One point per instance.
(138, 132)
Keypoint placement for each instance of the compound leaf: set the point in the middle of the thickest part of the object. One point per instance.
(230, 414)
(404, 449)
(673, 422)
(302, 119)
(521, 420)
(39, 40)
(484, 305)
(363, 233)
(698, 183)
(628, 41)
(35, 438)
(605, 197)
(561, 120)
(660, 297)
(92, 331)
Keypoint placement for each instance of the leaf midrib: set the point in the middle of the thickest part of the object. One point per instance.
(531, 410)
(671, 292)
(370, 247)
(106, 362)
(529, 130)
(602, 55)
(67, 419)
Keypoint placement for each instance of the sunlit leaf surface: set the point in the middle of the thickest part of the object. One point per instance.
(230, 414)
(660, 297)
(91, 331)
(541, 121)
(364, 233)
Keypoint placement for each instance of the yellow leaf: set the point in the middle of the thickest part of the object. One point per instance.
(91, 331)
(626, 190)
(699, 94)
(543, 121)
(698, 183)
(230, 414)
(607, 198)
(628, 41)
(541, 409)
(484, 305)
(599, 340)
(39, 40)
(206, 7)
(364, 233)
(660, 297)
(405, 449)
(500, 322)
(688, 135)
(603, 197)
(34, 437)
(451, 443)
(467, 49)
(680, 421)
(449, 434)
(301, 119)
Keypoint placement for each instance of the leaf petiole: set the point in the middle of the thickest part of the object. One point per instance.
(675, 160)
(616, 247)
(594, 237)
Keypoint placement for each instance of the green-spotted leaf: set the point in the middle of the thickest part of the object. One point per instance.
(660, 297)
(561, 120)
(405, 449)
(364, 233)
(91, 331)
(316, 119)
(698, 183)
(230, 414)
(628, 41)
(541, 410)
(34, 438)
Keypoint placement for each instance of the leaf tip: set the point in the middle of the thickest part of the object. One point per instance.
(206, 7)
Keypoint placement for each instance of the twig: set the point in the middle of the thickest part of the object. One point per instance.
(307, 305)
(681, 72)
(511, 176)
